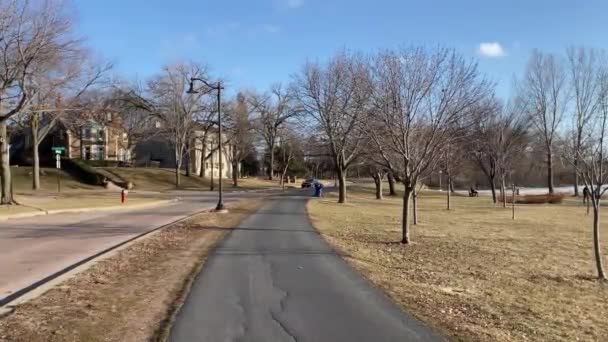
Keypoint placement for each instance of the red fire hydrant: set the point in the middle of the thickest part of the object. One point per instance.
(123, 195)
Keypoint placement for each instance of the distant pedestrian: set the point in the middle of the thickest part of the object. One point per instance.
(586, 194)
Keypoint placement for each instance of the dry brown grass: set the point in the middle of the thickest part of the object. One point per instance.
(473, 272)
(534, 199)
(164, 179)
(129, 296)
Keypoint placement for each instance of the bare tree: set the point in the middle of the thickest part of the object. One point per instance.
(240, 137)
(69, 75)
(583, 67)
(510, 142)
(31, 33)
(544, 90)
(206, 121)
(481, 132)
(135, 120)
(335, 96)
(273, 110)
(377, 173)
(497, 140)
(593, 162)
(175, 109)
(420, 97)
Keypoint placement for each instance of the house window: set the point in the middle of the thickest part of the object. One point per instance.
(157, 124)
(96, 152)
(109, 116)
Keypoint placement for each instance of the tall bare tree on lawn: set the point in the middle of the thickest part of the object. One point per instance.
(273, 110)
(544, 90)
(175, 109)
(420, 99)
(31, 33)
(335, 96)
(593, 164)
(240, 134)
(583, 69)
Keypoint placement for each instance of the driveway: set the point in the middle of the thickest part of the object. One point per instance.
(275, 279)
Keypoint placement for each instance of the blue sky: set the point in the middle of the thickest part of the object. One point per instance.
(254, 43)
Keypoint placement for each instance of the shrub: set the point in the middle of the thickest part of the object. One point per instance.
(535, 199)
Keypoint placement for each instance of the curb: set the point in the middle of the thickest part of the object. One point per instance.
(38, 288)
(43, 212)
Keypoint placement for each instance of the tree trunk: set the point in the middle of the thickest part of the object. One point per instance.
(35, 155)
(513, 202)
(451, 184)
(341, 186)
(493, 188)
(596, 240)
(212, 184)
(177, 176)
(414, 206)
(550, 171)
(235, 170)
(503, 190)
(203, 153)
(405, 223)
(449, 192)
(5, 166)
(575, 176)
(391, 185)
(378, 182)
(271, 165)
(188, 167)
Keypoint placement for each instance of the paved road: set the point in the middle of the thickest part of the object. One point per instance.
(34, 248)
(274, 279)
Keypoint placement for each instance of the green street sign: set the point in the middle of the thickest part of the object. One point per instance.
(58, 149)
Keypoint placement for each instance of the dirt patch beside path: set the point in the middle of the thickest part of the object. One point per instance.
(129, 296)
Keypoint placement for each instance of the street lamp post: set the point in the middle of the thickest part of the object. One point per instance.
(218, 87)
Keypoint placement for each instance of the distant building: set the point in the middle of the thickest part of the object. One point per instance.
(103, 138)
(96, 141)
(92, 140)
(158, 152)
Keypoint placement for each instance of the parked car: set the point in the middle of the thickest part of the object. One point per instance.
(308, 182)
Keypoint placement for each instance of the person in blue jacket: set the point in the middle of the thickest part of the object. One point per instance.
(318, 189)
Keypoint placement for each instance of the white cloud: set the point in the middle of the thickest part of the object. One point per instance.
(294, 3)
(491, 49)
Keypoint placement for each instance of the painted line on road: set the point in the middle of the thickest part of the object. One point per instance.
(79, 266)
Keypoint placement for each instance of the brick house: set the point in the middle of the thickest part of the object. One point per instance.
(97, 141)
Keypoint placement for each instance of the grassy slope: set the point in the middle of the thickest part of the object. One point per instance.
(74, 194)
(22, 180)
(164, 179)
(473, 272)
